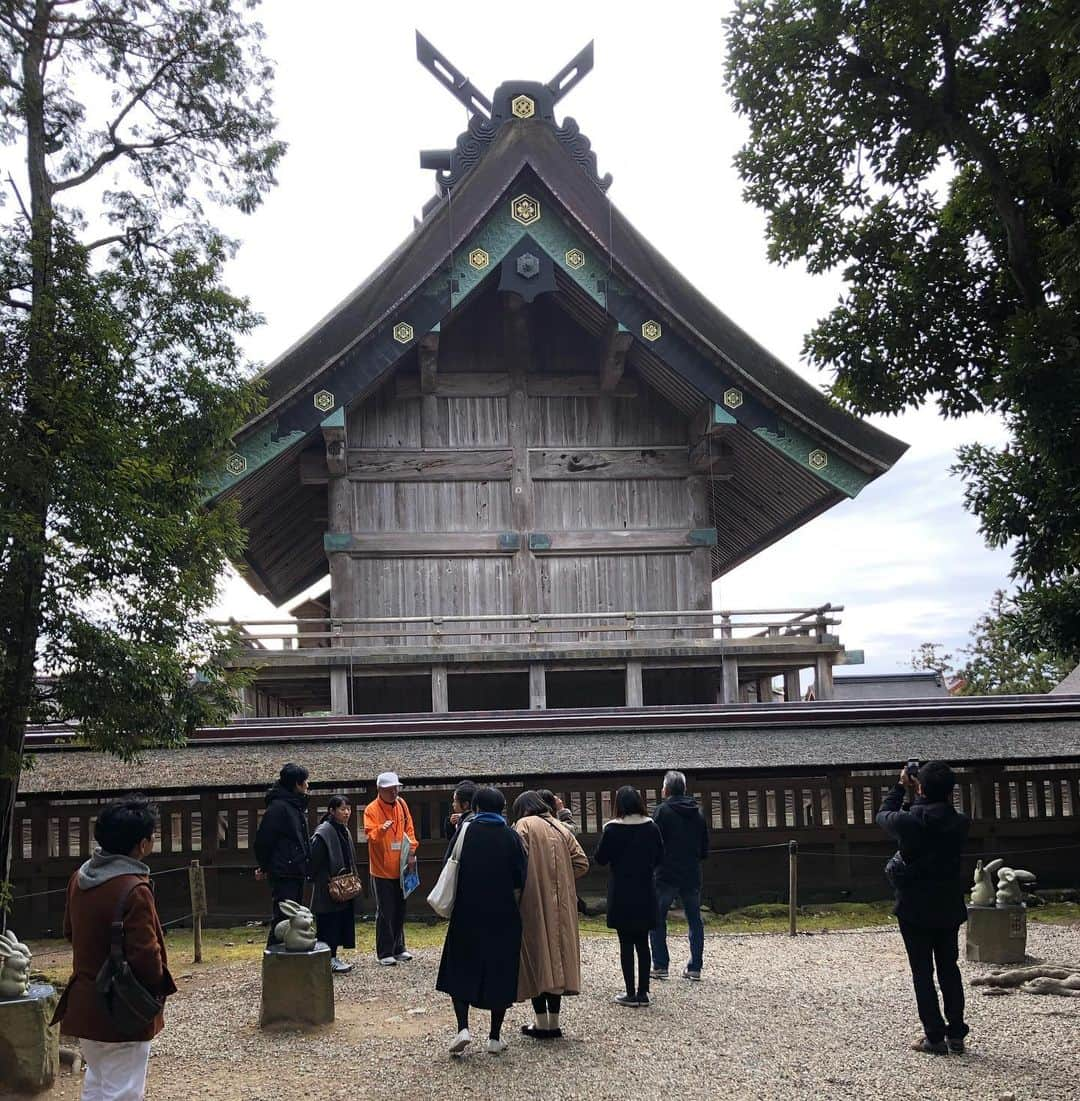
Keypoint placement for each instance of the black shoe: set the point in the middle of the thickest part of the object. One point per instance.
(930, 1047)
(628, 1000)
(956, 1046)
(541, 1033)
(644, 1001)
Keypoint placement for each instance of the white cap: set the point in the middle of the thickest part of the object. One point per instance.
(388, 780)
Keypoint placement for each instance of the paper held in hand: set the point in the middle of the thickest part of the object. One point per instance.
(410, 877)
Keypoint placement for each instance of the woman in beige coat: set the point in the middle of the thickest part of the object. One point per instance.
(550, 949)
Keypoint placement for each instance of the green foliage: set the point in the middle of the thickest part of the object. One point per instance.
(1001, 659)
(931, 151)
(122, 377)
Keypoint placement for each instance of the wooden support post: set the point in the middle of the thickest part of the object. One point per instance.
(793, 886)
(729, 686)
(339, 690)
(613, 358)
(518, 353)
(434, 423)
(197, 885)
(537, 686)
(440, 690)
(823, 682)
(764, 690)
(635, 694)
(792, 685)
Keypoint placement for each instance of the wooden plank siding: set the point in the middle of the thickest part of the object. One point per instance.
(532, 442)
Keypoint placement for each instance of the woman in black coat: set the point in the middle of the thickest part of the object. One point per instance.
(332, 854)
(632, 845)
(479, 965)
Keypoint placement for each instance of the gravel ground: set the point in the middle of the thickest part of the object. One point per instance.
(821, 1016)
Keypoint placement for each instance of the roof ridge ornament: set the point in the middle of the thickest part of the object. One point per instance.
(513, 101)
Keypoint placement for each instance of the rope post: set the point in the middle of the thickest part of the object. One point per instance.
(197, 884)
(793, 886)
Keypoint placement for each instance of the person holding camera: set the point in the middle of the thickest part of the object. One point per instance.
(926, 874)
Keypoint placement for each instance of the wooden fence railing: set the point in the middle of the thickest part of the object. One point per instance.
(1033, 812)
(629, 626)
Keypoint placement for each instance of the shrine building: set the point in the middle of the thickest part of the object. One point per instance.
(522, 451)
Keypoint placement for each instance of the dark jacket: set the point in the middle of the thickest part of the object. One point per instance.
(686, 841)
(282, 845)
(451, 832)
(331, 854)
(87, 921)
(482, 951)
(928, 872)
(633, 847)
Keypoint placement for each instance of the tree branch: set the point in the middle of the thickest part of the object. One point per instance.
(22, 205)
(957, 129)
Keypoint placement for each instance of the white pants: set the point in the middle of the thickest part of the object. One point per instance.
(115, 1072)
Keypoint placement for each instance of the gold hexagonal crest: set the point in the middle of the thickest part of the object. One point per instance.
(324, 401)
(403, 332)
(651, 330)
(818, 459)
(523, 107)
(733, 398)
(525, 210)
(236, 464)
(575, 258)
(479, 259)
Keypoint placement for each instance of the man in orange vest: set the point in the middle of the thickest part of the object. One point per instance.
(388, 823)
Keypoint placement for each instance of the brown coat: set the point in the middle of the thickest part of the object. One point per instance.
(550, 949)
(87, 919)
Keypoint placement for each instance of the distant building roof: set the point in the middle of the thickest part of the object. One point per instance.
(1070, 686)
(889, 686)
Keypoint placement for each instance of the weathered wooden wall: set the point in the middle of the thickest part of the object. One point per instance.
(515, 466)
(1031, 811)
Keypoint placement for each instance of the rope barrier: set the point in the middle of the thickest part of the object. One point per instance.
(63, 890)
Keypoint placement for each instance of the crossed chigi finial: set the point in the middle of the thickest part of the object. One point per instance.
(462, 89)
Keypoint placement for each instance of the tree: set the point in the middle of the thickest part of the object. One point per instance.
(999, 660)
(121, 375)
(997, 665)
(931, 150)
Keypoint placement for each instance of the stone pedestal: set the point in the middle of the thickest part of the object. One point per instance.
(297, 988)
(997, 934)
(29, 1047)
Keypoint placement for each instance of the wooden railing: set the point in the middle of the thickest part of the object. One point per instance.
(538, 627)
(1031, 811)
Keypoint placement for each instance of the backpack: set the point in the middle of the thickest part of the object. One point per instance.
(128, 1005)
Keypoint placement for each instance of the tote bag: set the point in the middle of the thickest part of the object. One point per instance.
(443, 894)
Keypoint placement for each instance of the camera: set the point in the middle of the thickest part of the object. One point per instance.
(912, 768)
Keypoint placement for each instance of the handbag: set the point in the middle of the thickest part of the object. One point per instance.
(443, 894)
(129, 1006)
(344, 887)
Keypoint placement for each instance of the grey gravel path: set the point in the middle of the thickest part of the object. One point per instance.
(821, 1016)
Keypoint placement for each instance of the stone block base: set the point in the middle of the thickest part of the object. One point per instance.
(997, 935)
(29, 1047)
(297, 988)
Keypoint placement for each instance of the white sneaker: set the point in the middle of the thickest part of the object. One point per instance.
(497, 1047)
(403, 957)
(460, 1042)
(388, 961)
(340, 967)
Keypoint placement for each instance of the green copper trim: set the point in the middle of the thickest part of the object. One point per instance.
(703, 537)
(509, 540)
(835, 471)
(337, 541)
(336, 418)
(257, 450)
(539, 541)
(721, 416)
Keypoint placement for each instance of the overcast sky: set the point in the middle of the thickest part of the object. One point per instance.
(904, 558)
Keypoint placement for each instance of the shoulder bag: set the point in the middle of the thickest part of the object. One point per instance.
(128, 1005)
(444, 893)
(344, 887)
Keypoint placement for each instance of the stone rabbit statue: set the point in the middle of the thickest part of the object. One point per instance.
(983, 890)
(297, 933)
(1009, 880)
(14, 966)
